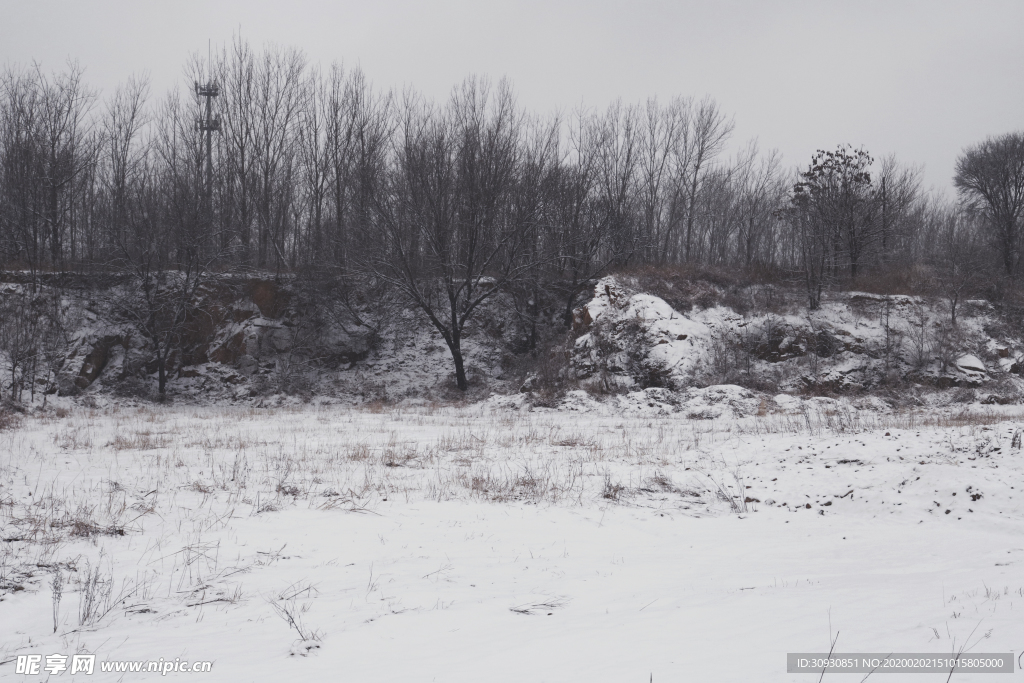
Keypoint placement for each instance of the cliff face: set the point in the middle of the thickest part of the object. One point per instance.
(248, 338)
(237, 331)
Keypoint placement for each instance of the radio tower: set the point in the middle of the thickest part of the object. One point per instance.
(208, 124)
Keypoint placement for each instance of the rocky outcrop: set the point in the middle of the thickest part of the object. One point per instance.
(630, 339)
(97, 359)
(269, 296)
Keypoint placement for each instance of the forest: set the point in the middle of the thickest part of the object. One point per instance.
(263, 162)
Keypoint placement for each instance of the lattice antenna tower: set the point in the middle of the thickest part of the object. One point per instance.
(208, 124)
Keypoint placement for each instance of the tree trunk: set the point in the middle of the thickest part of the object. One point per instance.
(162, 378)
(455, 347)
(567, 316)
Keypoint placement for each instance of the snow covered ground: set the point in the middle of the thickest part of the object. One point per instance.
(478, 544)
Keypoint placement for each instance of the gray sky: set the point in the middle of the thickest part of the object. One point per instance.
(918, 79)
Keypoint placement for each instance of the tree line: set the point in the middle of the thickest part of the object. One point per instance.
(313, 171)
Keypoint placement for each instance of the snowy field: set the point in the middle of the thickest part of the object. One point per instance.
(420, 544)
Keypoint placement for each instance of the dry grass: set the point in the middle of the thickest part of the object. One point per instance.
(9, 419)
(163, 479)
(139, 441)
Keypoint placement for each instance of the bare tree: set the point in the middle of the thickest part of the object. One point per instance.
(314, 164)
(958, 262)
(590, 202)
(661, 130)
(361, 127)
(616, 161)
(279, 98)
(530, 203)
(451, 240)
(19, 109)
(123, 153)
(236, 71)
(762, 194)
(19, 340)
(708, 133)
(990, 177)
(165, 248)
(47, 145)
(897, 192)
(813, 245)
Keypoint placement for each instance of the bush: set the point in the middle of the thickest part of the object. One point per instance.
(133, 386)
(546, 372)
(10, 415)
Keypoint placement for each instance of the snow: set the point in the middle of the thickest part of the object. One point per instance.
(855, 342)
(492, 542)
(787, 402)
(970, 363)
(676, 342)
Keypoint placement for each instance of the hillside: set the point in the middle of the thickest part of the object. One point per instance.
(685, 346)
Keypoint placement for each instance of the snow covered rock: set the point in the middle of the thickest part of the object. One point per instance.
(970, 363)
(723, 400)
(637, 338)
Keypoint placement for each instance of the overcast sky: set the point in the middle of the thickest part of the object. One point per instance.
(918, 79)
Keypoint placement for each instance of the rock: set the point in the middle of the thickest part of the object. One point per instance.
(969, 363)
(230, 351)
(66, 386)
(1007, 364)
(239, 315)
(826, 345)
(581, 319)
(247, 365)
(269, 297)
(96, 360)
(530, 384)
(280, 339)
